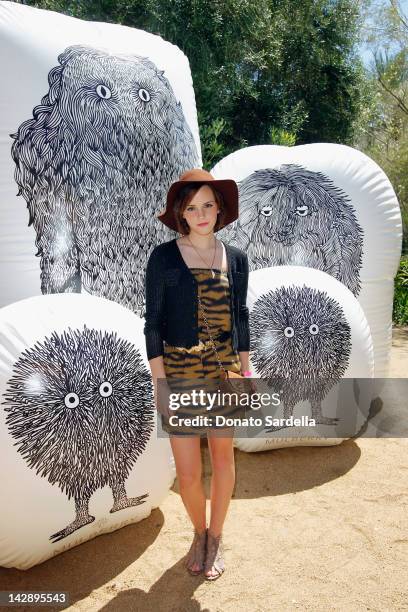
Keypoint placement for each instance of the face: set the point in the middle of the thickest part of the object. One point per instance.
(201, 212)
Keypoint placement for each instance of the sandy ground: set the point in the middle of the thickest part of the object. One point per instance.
(309, 528)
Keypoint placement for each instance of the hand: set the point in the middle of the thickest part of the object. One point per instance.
(250, 385)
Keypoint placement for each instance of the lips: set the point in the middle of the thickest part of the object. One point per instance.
(202, 224)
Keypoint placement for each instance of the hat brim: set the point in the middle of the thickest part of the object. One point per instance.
(227, 188)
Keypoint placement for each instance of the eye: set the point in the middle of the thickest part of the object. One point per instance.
(104, 92)
(266, 211)
(302, 210)
(289, 332)
(105, 389)
(314, 329)
(143, 94)
(71, 400)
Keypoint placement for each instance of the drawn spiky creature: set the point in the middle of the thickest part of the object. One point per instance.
(293, 216)
(94, 166)
(300, 343)
(80, 407)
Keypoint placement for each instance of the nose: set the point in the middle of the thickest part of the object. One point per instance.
(285, 230)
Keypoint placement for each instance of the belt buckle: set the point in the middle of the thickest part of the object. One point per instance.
(199, 347)
(195, 348)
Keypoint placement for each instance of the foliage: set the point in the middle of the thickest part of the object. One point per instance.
(257, 66)
(400, 309)
(385, 135)
(212, 149)
(281, 137)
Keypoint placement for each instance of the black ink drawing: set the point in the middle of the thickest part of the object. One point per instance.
(80, 407)
(301, 344)
(94, 166)
(293, 216)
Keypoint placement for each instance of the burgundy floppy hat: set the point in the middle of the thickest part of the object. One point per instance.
(227, 188)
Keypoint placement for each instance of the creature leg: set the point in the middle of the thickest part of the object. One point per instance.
(82, 518)
(317, 413)
(287, 412)
(60, 271)
(121, 500)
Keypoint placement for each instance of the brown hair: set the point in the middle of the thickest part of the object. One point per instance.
(183, 199)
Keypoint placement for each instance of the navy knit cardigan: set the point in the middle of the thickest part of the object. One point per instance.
(171, 299)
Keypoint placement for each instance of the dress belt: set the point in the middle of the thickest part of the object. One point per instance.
(207, 344)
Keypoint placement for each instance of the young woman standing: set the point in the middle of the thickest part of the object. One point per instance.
(179, 346)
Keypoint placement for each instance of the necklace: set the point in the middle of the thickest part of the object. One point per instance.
(215, 249)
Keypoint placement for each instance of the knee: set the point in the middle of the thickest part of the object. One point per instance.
(223, 463)
(189, 479)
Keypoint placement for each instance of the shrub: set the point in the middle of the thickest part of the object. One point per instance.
(400, 309)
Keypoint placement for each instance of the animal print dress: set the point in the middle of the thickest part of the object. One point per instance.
(200, 362)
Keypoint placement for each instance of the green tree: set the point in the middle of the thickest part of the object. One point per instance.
(385, 137)
(259, 67)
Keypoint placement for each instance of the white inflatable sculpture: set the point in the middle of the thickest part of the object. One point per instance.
(97, 121)
(80, 455)
(324, 206)
(308, 332)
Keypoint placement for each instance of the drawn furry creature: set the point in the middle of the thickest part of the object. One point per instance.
(94, 166)
(300, 343)
(293, 216)
(80, 407)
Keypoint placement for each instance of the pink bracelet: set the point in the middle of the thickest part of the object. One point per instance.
(247, 373)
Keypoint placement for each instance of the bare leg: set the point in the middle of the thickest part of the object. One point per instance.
(222, 482)
(187, 456)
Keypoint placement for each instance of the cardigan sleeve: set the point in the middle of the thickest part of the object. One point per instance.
(243, 322)
(155, 306)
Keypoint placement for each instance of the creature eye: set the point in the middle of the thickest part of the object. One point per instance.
(302, 210)
(266, 211)
(314, 329)
(105, 389)
(71, 400)
(289, 332)
(143, 95)
(103, 92)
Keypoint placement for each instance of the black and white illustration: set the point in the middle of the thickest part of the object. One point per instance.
(300, 342)
(294, 216)
(94, 165)
(80, 409)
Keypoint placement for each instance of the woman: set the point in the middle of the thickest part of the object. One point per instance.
(196, 285)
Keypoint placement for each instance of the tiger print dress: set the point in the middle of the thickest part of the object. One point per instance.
(200, 362)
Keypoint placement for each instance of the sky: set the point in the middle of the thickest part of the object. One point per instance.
(366, 53)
